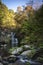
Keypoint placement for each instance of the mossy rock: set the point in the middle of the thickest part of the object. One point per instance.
(27, 63)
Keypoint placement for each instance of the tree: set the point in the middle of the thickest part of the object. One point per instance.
(39, 18)
(6, 17)
(24, 20)
(31, 31)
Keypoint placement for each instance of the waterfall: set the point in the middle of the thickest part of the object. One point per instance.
(14, 40)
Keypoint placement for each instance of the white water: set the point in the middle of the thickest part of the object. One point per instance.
(13, 39)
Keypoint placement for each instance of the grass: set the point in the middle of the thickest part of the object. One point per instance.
(12, 49)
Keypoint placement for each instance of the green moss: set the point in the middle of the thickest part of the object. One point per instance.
(27, 63)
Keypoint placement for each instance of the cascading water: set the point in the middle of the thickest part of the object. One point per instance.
(14, 40)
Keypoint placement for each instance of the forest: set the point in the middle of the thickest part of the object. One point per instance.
(26, 23)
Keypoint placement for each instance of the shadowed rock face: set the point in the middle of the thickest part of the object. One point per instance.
(19, 63)
(1, 64)
(31, 61)
(38, 53)
(3, 51)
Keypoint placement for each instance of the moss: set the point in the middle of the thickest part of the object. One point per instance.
(27, 63)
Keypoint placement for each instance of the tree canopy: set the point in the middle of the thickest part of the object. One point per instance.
(6, 17)
(28, 23)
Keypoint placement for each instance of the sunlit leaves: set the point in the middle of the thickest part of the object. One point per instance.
(6, 17)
